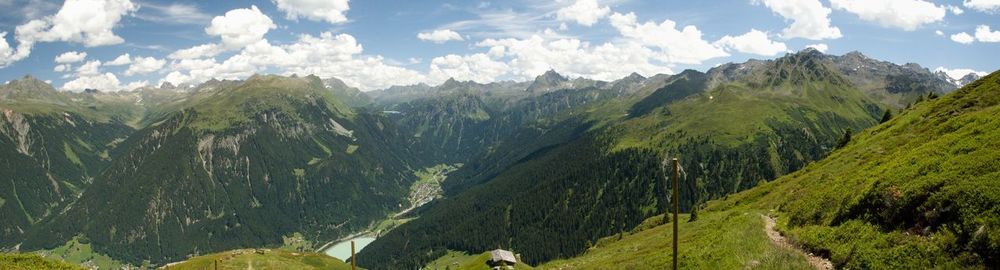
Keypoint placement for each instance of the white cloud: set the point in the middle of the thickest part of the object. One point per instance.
(240, 27)
(331, 11)
(810, 19)
(955, 10)
(753, 42)
(104, 82)
(477, 67)
(684, 46)
(983, 5)
(200, 51)
(907, 15)
(963, 38)
(143, 65)
(174, 13)
(440, 36)
(984, 34)
(939, 33)
(90, 68)
(583, 12)
(61, 68)
(958, 73)
(71, 57)
(819, 47)
(326, 55)
(121, 60)
(84, 21)
(7, 54)
(527, 58)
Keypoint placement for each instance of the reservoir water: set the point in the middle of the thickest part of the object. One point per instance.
(342, 250)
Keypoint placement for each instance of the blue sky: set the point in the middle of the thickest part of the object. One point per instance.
(375, 44)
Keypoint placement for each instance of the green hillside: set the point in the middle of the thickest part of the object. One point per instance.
(15, 261)
(260, 259)
(917, 192)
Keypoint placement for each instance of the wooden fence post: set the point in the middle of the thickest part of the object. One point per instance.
(677, 176)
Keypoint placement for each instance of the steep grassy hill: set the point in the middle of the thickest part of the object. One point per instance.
(917, 192)
(261, 259)
(10, 261)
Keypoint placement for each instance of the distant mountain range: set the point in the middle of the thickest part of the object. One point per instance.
(161, 173)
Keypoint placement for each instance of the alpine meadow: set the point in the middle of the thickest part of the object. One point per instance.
(445, 135)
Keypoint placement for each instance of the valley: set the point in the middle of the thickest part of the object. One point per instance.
(276, 171)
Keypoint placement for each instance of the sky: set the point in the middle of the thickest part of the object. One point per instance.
(115, 45)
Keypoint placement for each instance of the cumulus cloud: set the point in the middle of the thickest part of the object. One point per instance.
(907, 15)
(331, 11)
(477, 67)
(810, 19)
(121, 60)
(680, 46)
(819, 47)
(983, 5)
(144, 65)
(71, 57)
(963, 38)
(240, 27)
(326, 55)
(753, 42)
(440, 36)
(958, 73)
(527, 58)
(7, 54)
(106, 82)
(939, 33)
(984, 34)
(90, 68)
(61, 68)
(83, 21)
(583, 12)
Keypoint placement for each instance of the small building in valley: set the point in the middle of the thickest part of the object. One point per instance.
(501, 259)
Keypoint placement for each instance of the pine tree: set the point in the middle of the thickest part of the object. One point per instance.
(886, 116)
(846, 139)
(694, 213)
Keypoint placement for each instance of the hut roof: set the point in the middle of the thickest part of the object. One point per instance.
(502, 255)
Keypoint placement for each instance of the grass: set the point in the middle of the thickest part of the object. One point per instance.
(261, 259)
(455, 260)
(28, 261)
(71, 155)
(78, 250)
(733, 239)
(296, 243)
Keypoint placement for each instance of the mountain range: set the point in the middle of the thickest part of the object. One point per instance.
(160, 174)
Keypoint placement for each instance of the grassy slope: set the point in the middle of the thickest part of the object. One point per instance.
(917, 192)
(717, 240)
(455, 260)
(9, 261)
(78, 250)
(271, 259)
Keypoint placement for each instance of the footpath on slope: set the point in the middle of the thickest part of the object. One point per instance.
(776, 237)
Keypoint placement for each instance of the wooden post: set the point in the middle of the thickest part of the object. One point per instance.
(216, 264)
(677, 176)
(354, 258)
